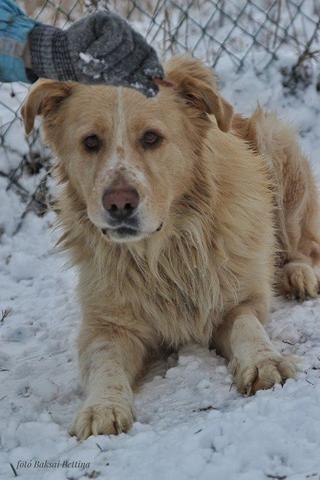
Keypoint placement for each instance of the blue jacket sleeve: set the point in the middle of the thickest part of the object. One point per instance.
(14, 29)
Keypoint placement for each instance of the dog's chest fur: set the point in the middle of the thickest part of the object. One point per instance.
(173, 298)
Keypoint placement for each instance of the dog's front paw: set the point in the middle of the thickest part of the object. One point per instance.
(299, 280)
(102, 419)
(263, 373)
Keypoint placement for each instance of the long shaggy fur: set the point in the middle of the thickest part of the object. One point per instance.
(229, 191)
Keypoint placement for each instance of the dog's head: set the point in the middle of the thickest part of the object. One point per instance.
(129, 158)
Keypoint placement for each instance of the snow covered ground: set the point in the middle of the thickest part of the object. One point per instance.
(191, 422)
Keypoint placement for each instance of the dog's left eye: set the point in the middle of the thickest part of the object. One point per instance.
(150, 139)
(92, 143)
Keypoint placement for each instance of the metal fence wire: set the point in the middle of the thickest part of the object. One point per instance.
(236, 34)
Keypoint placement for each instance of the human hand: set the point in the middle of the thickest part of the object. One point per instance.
(100, 48)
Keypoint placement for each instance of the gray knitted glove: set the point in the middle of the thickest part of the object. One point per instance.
(101, 48)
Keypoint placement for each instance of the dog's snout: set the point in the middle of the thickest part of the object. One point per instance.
(121, 202)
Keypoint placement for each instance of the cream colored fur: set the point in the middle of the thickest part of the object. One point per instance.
(296, 200)
(229, 192)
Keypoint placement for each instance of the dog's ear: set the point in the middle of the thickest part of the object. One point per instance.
(44, 97)
(196, 84)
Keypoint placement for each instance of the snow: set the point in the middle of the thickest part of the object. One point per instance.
(91, 66)
(191, 421)
(86, 57)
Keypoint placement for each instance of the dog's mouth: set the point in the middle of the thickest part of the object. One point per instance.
(121, 231)
(125, 233)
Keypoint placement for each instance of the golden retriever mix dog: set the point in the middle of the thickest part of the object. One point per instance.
(182, 217)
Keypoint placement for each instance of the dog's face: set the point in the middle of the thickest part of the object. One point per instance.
(128, 157)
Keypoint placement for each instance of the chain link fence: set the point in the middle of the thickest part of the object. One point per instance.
(227, 34)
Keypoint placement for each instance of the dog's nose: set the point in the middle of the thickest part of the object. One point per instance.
(120, 202)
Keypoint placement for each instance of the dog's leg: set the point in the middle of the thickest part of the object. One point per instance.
(298, 221)
(299, 239)
(299, 279)
(109, 363)
(255, 364)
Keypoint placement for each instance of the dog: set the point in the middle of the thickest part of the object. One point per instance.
(183, 218)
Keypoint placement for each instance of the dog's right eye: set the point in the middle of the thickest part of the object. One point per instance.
(92, 143)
